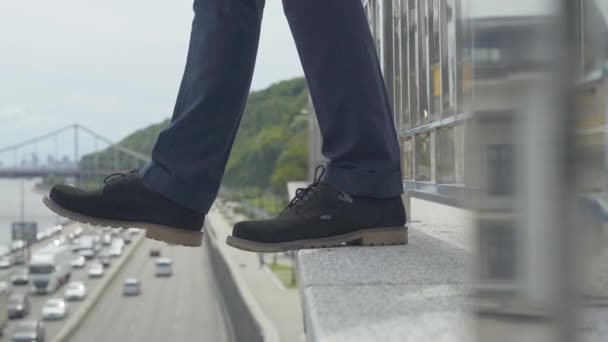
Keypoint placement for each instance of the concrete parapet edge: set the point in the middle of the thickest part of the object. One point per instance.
(269, 332)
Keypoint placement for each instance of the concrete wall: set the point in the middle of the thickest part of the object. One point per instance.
(237, 315)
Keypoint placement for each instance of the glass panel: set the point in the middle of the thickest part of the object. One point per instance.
(397, 62)
(445, 155)
(405, 109)
(497, 245)
(448, 58)
(408, 158)
(423, 157)
(434, 60)
(413, 62)
(464, 71)
(422, 44)
(459, 154)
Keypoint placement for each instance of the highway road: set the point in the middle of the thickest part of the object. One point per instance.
(38, 301)
(6, 273)
(184, 307)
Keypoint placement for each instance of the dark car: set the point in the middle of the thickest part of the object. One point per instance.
(105, 260)
(18, 305)
(88, 253)
(106, 239)
(131, 287)
(154, 252)
(30, 331)
(20, 277)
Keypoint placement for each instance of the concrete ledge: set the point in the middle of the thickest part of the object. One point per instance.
(70, 327)
(401, 293)
(248, 321)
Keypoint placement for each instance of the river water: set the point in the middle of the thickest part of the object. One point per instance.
(10, 204)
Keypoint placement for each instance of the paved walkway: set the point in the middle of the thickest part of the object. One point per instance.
(282, 306)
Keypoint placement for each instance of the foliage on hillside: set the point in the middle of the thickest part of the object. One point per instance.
(270, 147)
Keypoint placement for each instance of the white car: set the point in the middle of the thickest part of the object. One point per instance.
(79, 262)
(163, 267)
(20, 277)
(6, 261)
(115, 251)
(75, 291)
(55, 308)
(132, 287)
(87, 253)
(96, 270)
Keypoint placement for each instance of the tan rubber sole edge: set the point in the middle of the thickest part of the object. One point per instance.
(365, 237)
(157, 232)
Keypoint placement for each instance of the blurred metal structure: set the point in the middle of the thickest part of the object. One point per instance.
(423, 46)
(13, 163)
(501, 107)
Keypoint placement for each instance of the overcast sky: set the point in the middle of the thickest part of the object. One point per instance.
(115, 65)
(111, 65)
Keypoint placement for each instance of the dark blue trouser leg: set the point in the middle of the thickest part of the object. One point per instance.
(341, 66)
(189, 156)
(343, 73)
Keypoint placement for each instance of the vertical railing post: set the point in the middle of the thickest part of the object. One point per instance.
(525, 205)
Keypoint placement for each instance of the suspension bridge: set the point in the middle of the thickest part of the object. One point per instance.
(72, 151)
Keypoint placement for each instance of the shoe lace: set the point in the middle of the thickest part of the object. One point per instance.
(302, 193)
(118, 175)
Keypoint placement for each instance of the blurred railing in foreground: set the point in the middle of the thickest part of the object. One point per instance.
(501, 107)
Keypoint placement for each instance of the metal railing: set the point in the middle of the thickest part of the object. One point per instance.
(501, 107)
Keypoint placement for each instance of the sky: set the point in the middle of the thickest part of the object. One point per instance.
(113, 65)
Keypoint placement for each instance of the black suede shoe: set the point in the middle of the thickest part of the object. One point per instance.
(322, 216)
(125, 201)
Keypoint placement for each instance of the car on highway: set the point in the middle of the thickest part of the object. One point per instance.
(28, 331)
(18, 305)
(19, 257)
(6, 261)
(164, 267)
(154, 252)
(17, 245)
(95, 270)
(115, 251)
(104, 259)
(54, 309)
(49, 269)
(88, 253)
(78, 262)
(106, 239)
(131, 287)
(75, 291)
(133, 231)
(20, 277)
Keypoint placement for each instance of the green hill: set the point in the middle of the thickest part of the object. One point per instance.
(270, 147)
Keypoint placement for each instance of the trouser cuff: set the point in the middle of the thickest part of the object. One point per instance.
(176, 190)
(364, 183)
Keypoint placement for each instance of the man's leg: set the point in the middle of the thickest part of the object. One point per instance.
(358, 199)
(189, 156)
(171, 195)
(347, 88)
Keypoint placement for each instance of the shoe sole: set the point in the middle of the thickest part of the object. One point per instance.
(365, 237)
(154, 231)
